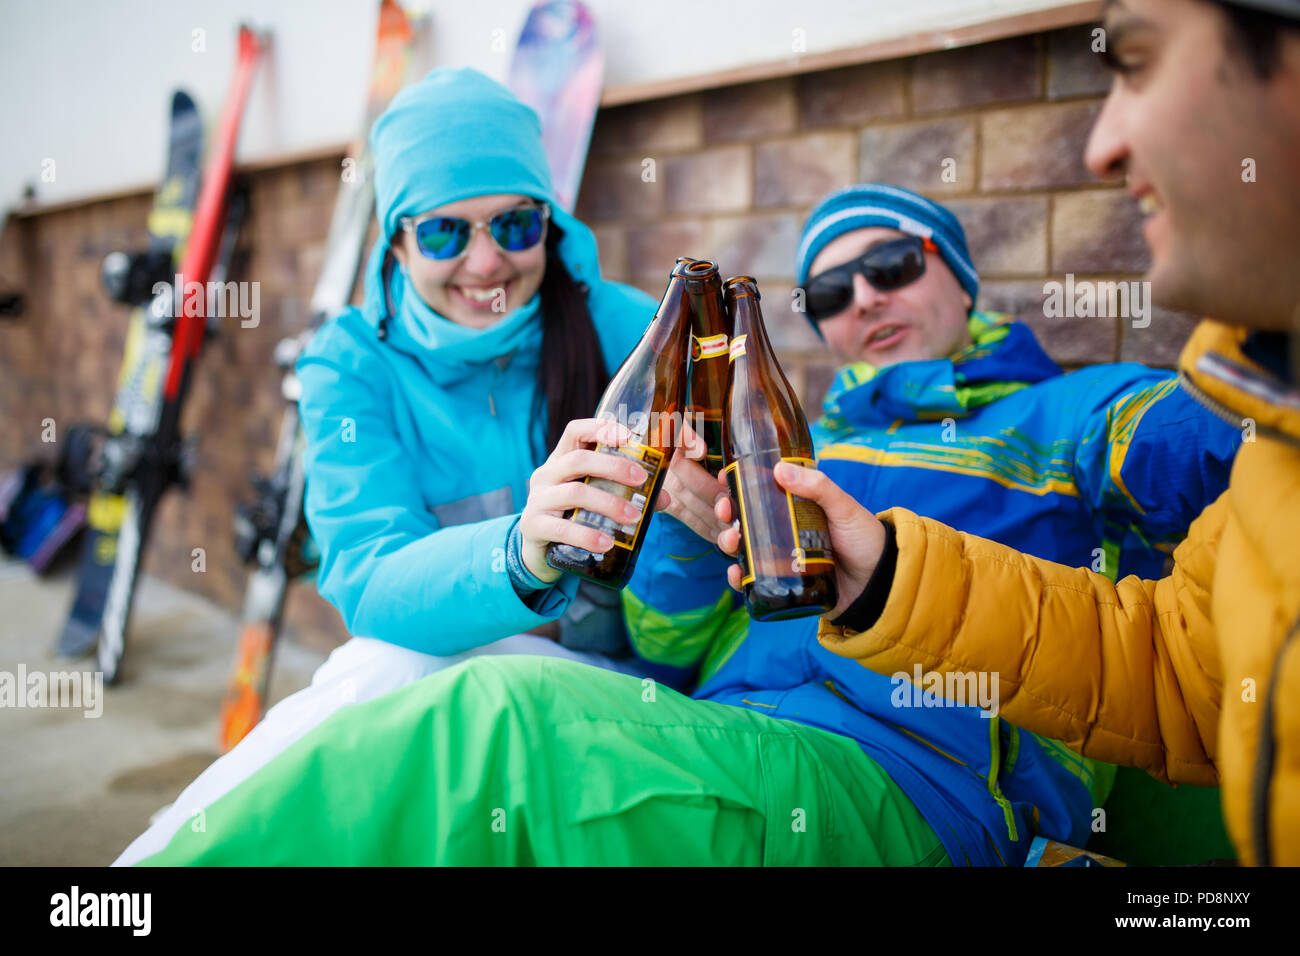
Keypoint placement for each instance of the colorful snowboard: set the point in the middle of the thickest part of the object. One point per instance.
(557, 70)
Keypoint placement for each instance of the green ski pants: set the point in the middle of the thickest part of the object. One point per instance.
(534, 760)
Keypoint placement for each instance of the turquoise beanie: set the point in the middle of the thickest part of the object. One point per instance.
(877, 204)
(454, 135)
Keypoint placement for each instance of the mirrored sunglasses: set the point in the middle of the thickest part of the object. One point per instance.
(446, 237)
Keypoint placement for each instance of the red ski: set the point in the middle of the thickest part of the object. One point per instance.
(271, 533)
(144, 454)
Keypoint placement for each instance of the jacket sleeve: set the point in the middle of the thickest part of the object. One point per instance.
(1151, 460)
(392, 571)
(678, 606)
(1124, 672)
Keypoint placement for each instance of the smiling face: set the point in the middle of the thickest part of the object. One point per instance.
(924, 320)
(465, 289)
(1210, 151)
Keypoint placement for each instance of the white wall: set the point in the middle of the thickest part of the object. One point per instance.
(87, 83)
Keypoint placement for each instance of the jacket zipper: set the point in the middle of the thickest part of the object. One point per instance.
(995, 768)
(1213, 404)
(1235, 419)
(991, 782)
(1266, 749)
(1264, 759)
(498, 368)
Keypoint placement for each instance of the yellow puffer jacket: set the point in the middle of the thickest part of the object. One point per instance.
(1194, 678)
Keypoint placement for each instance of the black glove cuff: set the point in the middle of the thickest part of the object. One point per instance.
(870, 604)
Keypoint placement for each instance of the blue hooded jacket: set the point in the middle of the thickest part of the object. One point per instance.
(419, 444)
(1104, 467)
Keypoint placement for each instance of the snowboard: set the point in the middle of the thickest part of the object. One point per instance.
(143, 454)
(557, 70)
(271, 533)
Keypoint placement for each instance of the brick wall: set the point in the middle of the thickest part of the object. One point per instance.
(736, 171)
(61, 360)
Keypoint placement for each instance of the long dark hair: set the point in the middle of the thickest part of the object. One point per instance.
(571, 375)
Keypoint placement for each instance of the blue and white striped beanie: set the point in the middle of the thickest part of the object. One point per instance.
(876, 204)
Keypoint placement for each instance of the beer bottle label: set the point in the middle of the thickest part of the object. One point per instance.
(744, 556)
(737, 348)
(709, 425)
(808, 522)
(624, 535)
(710, 346)
(807, 541)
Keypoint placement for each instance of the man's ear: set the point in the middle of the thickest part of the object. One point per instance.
(967, 301)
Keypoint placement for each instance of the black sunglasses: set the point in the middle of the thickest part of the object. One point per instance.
(888, 266)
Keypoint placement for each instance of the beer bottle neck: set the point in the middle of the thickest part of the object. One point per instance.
(711, 317)
(763, 413)
(748, 319)
(668, 317)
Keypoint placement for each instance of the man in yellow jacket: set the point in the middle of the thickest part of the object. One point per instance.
(1195, 677)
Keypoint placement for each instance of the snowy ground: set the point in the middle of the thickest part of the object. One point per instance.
(77, 790)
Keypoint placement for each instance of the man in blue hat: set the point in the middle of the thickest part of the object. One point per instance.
(861, 263)
(957, 414)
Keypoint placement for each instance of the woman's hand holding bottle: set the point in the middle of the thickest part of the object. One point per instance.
(557, 488)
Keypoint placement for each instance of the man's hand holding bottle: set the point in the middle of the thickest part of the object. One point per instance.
(857, 535)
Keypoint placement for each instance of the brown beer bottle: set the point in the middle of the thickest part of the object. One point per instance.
(646, 395)
(785, 553)
(709, 335)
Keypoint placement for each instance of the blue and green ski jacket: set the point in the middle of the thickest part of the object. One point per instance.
(1103, 467)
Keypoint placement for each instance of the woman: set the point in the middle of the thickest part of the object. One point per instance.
(486, 330)
(486, 338)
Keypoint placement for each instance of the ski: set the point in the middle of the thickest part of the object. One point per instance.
(271, 533)
(144, 454)
(169, 224)
(557, 70)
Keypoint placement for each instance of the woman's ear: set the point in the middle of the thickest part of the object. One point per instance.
(398, 249)
(967, 301)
